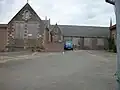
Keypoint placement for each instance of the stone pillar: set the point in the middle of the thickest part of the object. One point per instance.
(46, 35)
(26, 35)
(61, 38)
(82, 43)
(49, 23)
(49, 37)
(11, 37)
(39, 42)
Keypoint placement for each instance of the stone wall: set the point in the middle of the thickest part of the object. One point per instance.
(46, 36)
(113, 35)
(21, 31)
(96, 43)
(54, 47)
(89, 43)
(32, 28)
(3, 38)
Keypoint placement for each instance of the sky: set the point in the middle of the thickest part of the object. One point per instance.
(64, 12)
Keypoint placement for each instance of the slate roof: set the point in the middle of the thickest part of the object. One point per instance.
(45, 22)
(86, 31)
(26, 6)
(3, 25)
(113, 27)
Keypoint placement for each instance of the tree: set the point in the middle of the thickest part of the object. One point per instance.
(112, 46)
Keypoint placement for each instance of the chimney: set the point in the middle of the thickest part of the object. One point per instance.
(49, 23)
(46, 18)
(110, 22)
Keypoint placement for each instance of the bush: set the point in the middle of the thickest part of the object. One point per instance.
(112, 46)
(114, 49)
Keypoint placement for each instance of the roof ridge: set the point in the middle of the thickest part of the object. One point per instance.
(83, 26)
(27, 4)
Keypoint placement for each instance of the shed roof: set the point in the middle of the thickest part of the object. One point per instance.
(113, 27)
(86, 31)
(3, 25)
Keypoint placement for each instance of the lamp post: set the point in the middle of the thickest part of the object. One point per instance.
(117, 12)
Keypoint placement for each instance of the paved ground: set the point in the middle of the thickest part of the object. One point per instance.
(15, 53)
(82, 70)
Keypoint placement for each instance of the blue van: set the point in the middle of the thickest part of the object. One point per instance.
(68, 45)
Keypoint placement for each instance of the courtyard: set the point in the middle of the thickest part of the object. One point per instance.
(72, 70)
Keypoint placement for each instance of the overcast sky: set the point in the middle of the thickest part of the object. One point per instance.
(72, 12)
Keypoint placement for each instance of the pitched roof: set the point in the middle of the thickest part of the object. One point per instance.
(3, 25)
(46, 22)
(56, 27)
(86, 31)
(25, 6)
(113, 27)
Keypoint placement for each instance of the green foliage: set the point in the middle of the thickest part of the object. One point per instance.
(117, 75)
(112, 46)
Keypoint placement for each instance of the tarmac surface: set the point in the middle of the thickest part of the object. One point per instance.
(73, 70)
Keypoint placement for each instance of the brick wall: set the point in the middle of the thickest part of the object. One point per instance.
(3, 38)
(54, 47)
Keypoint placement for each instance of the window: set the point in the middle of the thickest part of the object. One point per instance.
(25, 31)
(25, 35)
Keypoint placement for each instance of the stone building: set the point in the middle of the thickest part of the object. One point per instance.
(85, 37)
(113, 33)
(3, 36)
(26, 30)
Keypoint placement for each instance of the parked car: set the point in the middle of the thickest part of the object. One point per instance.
(68, 45)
